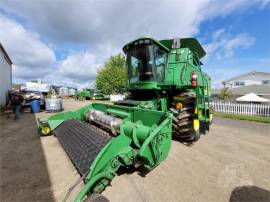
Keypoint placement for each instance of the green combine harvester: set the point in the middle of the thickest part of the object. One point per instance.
(85, 94)
(168, 97)
(100, 96)
(89, 94)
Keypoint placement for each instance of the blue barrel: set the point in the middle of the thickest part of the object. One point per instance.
(35, 106)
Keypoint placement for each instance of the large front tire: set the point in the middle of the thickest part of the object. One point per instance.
(186, 126)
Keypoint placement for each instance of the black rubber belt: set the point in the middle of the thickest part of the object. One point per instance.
(81, 142)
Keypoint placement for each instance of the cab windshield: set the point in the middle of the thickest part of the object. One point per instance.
(146, 63)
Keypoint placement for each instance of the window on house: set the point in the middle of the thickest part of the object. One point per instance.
(239, 83)
(266, 82)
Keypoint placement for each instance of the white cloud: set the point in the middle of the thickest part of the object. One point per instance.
(115, 22)
(60, 80)
(83, 65)
(92, 23)
(240, 41)
(29, 72)
(223, 8)
(33, 59)
(29, 54)
(224, 45)
(77, 70)
(25, 46)
(101, 28)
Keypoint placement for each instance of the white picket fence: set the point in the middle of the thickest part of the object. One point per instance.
(237, 108)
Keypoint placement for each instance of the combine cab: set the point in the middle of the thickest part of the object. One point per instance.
(168, 96)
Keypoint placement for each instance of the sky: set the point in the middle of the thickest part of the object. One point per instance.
(65, 42)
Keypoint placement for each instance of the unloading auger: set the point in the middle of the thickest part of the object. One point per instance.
(168, 95)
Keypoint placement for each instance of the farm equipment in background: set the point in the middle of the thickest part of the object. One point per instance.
(89, 94)
(100, 96)
(168, 96)
(85, 94)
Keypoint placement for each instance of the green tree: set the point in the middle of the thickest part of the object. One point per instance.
(112, 78)
(224, 93)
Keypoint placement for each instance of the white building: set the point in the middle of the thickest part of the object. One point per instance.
(38, 86)
(71, 91)
(63, 91)
(5, 75)
(258, 78)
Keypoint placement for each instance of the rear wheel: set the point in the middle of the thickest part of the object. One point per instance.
(186, 127)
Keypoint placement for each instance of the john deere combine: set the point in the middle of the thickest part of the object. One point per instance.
(85, 94)
(168, 96)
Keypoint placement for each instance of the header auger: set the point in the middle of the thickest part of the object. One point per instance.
(168, 96)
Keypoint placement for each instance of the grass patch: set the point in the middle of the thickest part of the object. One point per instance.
(243, 117)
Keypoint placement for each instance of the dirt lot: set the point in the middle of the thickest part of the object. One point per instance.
(230, 163)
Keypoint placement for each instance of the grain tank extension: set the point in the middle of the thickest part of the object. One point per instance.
(168, 97)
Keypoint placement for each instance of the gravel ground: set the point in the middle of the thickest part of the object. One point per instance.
(231, 163)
